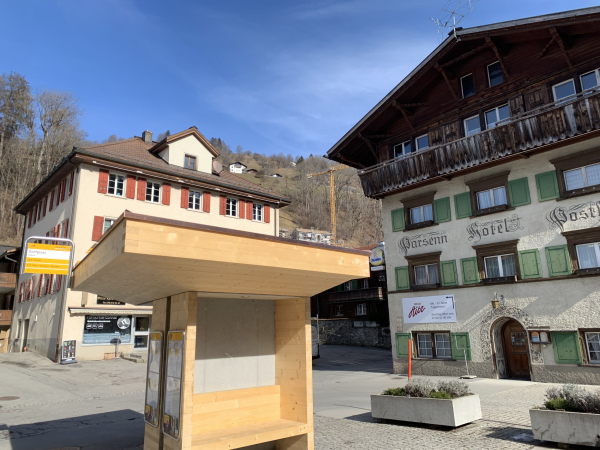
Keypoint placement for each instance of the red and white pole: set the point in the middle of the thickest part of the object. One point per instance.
(409, 359)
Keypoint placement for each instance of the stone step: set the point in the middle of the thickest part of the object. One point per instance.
(136, 357)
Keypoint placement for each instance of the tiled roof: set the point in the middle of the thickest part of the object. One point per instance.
(135, 150)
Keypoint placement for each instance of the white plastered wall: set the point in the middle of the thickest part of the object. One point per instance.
(175, 153)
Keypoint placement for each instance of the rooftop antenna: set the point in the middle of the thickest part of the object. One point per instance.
(454, 12)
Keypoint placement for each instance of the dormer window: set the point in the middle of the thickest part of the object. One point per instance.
(495, 75)
(468, 85)
(190, 162)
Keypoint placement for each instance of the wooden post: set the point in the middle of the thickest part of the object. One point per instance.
(409, 359)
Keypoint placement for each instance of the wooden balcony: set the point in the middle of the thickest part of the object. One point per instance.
(5, 317)
(530, 131)
(8, 281)
(356, 295)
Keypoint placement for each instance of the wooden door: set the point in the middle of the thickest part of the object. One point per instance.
(515, 350)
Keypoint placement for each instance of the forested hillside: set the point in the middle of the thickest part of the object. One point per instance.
(38, 127)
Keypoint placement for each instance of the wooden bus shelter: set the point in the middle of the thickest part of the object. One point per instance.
(230, 362)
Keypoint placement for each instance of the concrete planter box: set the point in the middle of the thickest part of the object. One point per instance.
(450, 413)
(566, 427)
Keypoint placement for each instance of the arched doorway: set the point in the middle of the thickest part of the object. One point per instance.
(516, 349)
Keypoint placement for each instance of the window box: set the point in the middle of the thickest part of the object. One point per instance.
(494, 280)
(415, 226)
(424, 287)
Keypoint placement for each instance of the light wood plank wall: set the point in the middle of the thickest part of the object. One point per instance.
(293, 368)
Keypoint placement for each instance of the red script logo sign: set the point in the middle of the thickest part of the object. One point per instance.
(415, 310)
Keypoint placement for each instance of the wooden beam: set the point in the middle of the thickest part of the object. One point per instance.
(413, 105)
(443, 73)
(399, 107)
(369, 144)
(559, 40)
(490, 42)
(550, 42)
(378, 136)
(464, 55)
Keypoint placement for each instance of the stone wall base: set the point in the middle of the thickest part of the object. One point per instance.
(343, 332)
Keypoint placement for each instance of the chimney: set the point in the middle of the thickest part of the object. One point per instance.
(147, 137)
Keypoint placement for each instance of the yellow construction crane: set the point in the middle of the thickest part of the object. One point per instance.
(330, 171)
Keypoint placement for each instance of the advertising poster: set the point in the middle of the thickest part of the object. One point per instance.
(68, 350)
(151, 414)
(172, 397)
(435, 309)
(105, 329)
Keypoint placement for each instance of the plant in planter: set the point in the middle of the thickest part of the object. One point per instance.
(571, 415)
(423, 401)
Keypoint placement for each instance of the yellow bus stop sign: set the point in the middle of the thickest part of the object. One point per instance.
(47, 259)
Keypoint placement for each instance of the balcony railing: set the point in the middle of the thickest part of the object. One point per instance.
(5, 316)
(8, 279)
(375, 293)
(548, 124)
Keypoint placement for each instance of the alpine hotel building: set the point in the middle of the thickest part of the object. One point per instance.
(487, 159)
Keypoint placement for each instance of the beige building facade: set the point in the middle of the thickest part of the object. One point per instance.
(175, 179)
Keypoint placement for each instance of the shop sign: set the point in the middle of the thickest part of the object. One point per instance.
(559, 216)
(108, 301)
(376, 257)
(434, 309)
(106, 330)
(477, 230)
(422, 241)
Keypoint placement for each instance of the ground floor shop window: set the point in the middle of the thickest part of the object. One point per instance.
(434, 345)
(142, 329)
(592, 341)
(104, 330)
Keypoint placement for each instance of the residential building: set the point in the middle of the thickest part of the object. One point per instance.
(9, 266)
(304, 234)
(176, 178)
(252, 171)
(237, 167)
(275, 175)
(486, 160)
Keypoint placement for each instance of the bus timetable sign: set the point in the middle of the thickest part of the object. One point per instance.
(48, 259)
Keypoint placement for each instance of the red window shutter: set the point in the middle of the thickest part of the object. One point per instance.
(166, 194)
(206, 201)
(45, 206)
(35, 214)
(51, 285)
(66, 230)
(185, 197)
(222, 205)
(46, 284)
(98, 225)
(39, 290)
(29, 220)
(103, 181)
(130, 190)
(63, 188)
(58, 282)
(242, 208)
(267, 213)
(47, 235)
(249, 210)
(71, 183)
(51, 201)
(58, 227)
(40, 209)
(29, 289)
(20, 298)
(141, 189)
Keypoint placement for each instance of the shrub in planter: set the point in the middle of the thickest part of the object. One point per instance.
(423, 388)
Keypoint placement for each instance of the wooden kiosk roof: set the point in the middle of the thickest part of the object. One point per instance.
(144, 258)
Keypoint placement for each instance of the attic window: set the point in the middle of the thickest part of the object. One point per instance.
(468, 85)
(190, 162)
(495, 75)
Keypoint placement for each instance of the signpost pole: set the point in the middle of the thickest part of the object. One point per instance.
(409, 358)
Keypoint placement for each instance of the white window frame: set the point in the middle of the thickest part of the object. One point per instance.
(428, 280)
(462, 91)
(497, 111)
(104, 229)
(228, 206)
(570, 80)
(339, 310)
(465, 125)
(361, 309)
(587, 347)
(585, 180)
(260, 209)
(402, 147)
(437, 355)
(596, 249)
(499, 257)
(419, 346)
(200, 201)
(148, 183)
(348, 286)
(116, 175)
(487, 71)
(366, 283)
(422, 213)
(417, 142)
(491, 191)
(597, 73)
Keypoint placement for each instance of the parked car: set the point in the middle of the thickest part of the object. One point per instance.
(315, 343)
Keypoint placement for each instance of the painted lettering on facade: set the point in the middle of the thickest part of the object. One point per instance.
(477, 230)
(560, 215)
(422, 240)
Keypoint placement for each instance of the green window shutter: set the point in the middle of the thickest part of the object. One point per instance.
(340, 287)
(462, 205)
(398, 219)
(519, 192)
(441, 208)
(402, 279)
(559, 262)
(470, 271)
(354, 285)
(531, 264)
(449, 274)
(458, 342)
(402, 345)
(547, 186)
(567, 349)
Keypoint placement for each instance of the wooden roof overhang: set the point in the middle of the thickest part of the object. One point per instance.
(143, 258)
(358, 147)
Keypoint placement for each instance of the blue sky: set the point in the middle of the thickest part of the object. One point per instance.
(272, 76)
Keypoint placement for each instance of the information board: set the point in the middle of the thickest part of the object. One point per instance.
(151, 415)
(106, 329)
(47, 259)
(172, 398)
(435, 309)
(68, 350)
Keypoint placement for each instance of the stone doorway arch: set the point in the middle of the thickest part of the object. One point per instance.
(510, 348)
